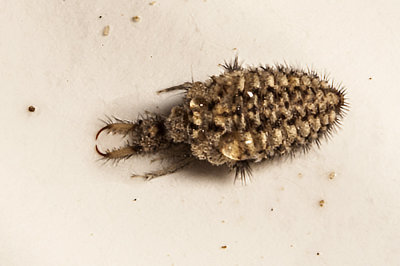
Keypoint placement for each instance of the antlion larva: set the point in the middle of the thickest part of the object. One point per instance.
(242, 116)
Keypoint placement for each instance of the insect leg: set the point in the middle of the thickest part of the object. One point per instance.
(183, 87)
(168, 170)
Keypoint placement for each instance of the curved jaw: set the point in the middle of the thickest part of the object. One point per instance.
(117, 154)
(122, 128)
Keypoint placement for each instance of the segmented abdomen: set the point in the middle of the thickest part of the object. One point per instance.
(261, 113)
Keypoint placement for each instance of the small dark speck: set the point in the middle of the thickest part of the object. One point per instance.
(272, 209)
(317, 253)
(224, 247)
(100, 16)
(31, 109)
(332, 175)
(134, 199)
(370, 78)
(136, 19)
(300, 175)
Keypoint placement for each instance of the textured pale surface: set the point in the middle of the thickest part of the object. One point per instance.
(60, 206)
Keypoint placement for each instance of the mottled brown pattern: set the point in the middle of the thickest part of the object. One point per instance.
(241, 116)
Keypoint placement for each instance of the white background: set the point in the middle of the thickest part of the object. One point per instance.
(59, 205)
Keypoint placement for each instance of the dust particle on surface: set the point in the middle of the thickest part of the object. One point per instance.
(317, 253)
(272, 209)
(106, 30)
(321, 203)
(223, 247)
(370, 78)
(136, 19)
(299, 175)
(332, 175)
(100, 16)
(31, 108)
(134, 199)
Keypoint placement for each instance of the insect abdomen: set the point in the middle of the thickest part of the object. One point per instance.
(261, 113)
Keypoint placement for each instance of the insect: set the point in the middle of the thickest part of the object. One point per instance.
(240, 117)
